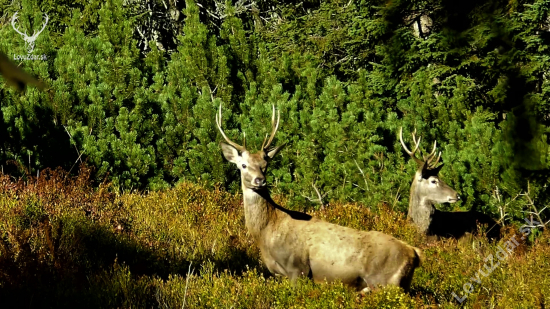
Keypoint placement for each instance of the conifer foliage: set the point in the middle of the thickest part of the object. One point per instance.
(346, 75)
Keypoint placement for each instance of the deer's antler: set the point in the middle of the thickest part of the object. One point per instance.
(416, 143)
(274, 127)
(429, 158)
(426, 159)
(230, 142)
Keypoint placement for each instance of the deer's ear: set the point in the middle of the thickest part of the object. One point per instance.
(427, 172)
(275, 150)
(424, 171)
(230, 153)
(437, 169)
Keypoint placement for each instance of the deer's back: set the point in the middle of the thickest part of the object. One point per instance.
(336, 252)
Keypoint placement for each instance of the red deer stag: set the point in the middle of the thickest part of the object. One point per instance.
(295, 244)
(427, 189)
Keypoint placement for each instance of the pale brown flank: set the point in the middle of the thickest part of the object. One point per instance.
(295, 244)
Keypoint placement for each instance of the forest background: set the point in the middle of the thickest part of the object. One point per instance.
(135, 86)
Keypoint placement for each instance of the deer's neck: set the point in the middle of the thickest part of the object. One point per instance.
(420, 210)
(258, 211)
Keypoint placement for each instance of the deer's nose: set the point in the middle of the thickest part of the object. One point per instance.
(259, 181)
(458, 197)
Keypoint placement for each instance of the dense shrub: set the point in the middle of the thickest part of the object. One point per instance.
(346, 75)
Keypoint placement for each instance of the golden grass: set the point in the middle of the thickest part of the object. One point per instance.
(65, 244)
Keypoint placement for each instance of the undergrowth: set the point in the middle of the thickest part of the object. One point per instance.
(65, 243)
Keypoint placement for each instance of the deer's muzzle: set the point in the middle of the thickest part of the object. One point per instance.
(454, 199)
(259, 181)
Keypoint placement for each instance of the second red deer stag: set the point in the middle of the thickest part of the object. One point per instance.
(295, 244)
(427, 190)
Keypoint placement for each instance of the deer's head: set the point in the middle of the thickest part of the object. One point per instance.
(426, 183)
(253, 166)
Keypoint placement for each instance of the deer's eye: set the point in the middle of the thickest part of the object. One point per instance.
(244, 165)
(434, 182)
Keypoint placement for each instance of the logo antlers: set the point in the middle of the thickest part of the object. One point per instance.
(29, 40)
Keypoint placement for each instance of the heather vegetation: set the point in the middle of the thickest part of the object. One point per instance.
(65, 245)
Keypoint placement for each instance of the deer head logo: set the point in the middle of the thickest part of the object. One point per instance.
(29, 40)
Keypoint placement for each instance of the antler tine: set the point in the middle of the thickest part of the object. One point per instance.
(403, 143)
(430, 156)
(274, 127)
(219, 124)
(437, 160)
(414, 139)
(263, 143)
(416, 142)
